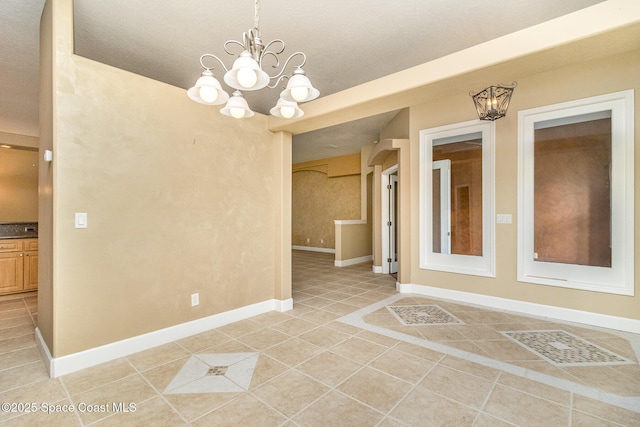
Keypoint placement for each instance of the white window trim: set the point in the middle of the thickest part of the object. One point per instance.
(619, 279)
(464, 264)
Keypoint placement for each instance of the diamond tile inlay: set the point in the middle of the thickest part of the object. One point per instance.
(214, 373)
(564, 349)
(423, 315)
(217, 370)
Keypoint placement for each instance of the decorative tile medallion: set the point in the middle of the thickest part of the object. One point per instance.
(415, 315)
(214, 373)
(564, 349)
(217, 370)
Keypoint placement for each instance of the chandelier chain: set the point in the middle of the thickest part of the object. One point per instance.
(256, 15)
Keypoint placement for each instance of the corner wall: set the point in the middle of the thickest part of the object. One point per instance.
(45, 176)
(180, 200)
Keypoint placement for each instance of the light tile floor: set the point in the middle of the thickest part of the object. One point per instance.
(352, 352)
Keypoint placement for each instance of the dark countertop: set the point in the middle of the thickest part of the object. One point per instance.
(18, 230)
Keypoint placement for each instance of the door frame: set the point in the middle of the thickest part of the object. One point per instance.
(386, 216)
(444, 166)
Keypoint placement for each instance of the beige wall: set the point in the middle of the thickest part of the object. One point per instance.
(18, 185)
(20, 141)
(317, 201)
(166, 217)
(352, 241)
(581, 80)
(333, 166)
(45, 176)
(398, 127)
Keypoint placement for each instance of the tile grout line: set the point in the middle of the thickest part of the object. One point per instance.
(330, 388)
(29, 312)
(20, 364)
(35, 362)
(486, 400)
(570, 410)
(159, 394)
(414, 386)
(100, 386)
(288, 418)
(71, 401)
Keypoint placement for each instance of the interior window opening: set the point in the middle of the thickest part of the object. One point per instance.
(572, 192)
(457, 205)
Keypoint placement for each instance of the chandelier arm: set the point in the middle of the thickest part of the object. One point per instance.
(275, 57)
(284, 67)
(266, 52)
(210, 55)
(268, 45)
(277, 82)
(228, 42)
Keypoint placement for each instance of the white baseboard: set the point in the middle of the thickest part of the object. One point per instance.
(352, 261)
(282, 305)
(43, 348)
(313, 249)
(64, 365)
(534, 309)
(377, 269)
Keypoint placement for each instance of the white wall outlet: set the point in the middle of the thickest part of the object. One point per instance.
(195, 299)
(321, 241)
(504, 219)
(308, 240)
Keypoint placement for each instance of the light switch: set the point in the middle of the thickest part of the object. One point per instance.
(81, 220)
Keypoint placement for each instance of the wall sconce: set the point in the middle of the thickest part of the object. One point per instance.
(492, 103)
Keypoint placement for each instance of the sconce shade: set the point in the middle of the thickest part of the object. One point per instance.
(492, 103)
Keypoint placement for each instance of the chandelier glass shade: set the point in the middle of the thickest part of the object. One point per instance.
(247, 74)
(492, 103)
(287, 109)
(237, 107)
(207, 90)
(299, 88)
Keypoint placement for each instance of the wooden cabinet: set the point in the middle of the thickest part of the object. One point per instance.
(18, 265)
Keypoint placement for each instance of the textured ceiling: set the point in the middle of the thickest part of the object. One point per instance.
(347, 42)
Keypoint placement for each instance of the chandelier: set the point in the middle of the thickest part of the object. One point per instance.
(492, 103)
(247, 74)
